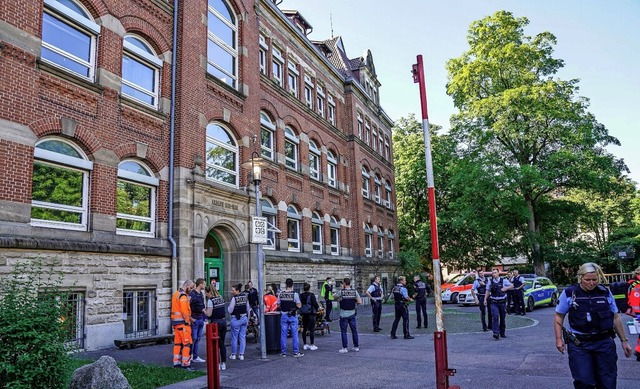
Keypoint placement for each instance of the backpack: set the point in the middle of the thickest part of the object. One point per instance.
(307, 308)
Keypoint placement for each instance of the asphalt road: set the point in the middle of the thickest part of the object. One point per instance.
(527, 358)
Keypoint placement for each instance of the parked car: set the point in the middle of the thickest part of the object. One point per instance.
(465, 297)
(539, 291)
(461, 289)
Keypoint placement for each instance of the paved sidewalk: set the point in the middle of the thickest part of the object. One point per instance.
(527, 358)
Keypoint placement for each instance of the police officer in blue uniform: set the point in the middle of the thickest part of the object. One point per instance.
(497, 297)
(518, 293)
(401, 299)
(289, 302)
(422, 289)
(479, 291)
(374, 292)
(593, 323)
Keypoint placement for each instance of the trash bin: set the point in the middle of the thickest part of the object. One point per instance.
(272, 331)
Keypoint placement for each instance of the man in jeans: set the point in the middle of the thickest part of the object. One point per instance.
(196, 300)
(348, 299)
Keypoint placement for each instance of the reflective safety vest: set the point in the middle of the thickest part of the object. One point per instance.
(180, 308)
(589, 312)
(634, 295)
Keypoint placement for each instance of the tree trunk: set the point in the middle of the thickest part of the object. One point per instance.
(536, 250)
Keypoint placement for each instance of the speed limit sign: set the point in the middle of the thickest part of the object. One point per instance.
(259, 229)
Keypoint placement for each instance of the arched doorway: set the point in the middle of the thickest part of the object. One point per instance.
(214, 260)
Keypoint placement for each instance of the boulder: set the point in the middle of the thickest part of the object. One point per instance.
(102, 374)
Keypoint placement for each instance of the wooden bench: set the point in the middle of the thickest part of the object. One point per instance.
(131, 343)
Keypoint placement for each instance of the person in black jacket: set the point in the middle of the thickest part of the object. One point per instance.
(308, 311)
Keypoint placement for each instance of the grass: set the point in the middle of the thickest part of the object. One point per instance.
(141, 376)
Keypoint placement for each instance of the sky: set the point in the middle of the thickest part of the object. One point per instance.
(598, 40)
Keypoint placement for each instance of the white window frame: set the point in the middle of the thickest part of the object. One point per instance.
(314, 161)
(386, 148)
(293, 76)
(367, 133)
(331, 110)
(293, 229)
(360, 125)
(267, 126)
(320, 100)
(316, 229)
(62, 161)
(332, 170)
(80, 23)
(368, 241)
(271, 213)
(148, 181)
(390, 240)
(234, 149)
(308, 91)
(262, 56)
(148, 59)
(277, 64)
(334, 228)
(377, 191)
(233, 51)
(293, 141)
(380, 239)
(366, 185)
(374, 139)
(387, 188)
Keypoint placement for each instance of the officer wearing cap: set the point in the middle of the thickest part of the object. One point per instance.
(401, 299)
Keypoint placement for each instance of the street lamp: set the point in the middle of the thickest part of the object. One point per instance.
(256, 175)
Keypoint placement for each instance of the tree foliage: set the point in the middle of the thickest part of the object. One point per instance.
(529, 135)
(32, 329)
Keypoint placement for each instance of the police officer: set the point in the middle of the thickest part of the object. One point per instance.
(375, 294)
(349, 299)
(479, 291)
(289, 302)
(593, 323)
(497, 296)
(518, 293)
(239, 310)
(216, 313)
(401, 299)
(420, 295)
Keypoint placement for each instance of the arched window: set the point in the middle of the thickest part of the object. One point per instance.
(60, 186)
(377, 189)
(291, 148)
(380, 241)
(387, 187)
(335, 236)
(332, 171)
(222, 156)
(390, 239)
(316, 232)
(293, 228)
(140, 71)
(69, 37)
(269, 211)
(314, 160)
(136, 199)
(222, 44)
(365, 183)
(267, 130)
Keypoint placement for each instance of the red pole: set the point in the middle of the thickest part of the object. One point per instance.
(439, 336)
(213, 357)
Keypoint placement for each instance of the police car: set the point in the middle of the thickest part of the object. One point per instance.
(539, 291)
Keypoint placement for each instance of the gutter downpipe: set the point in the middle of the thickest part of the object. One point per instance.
(172, 128)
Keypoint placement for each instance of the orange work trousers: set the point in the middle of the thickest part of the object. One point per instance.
(182, 345)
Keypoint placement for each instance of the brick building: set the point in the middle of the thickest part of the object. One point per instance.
(123, 146)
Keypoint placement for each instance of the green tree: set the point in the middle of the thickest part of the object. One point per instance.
(531, 133)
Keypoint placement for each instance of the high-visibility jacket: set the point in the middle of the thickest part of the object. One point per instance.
(634, 296)
(180, 308)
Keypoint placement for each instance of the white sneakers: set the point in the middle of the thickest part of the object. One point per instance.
(199, 360)
(232, 356)
(223, 366)
(356, 349)
(241, 357)
(298, 355)
(310, 347)
(343, 351)
(306, 347)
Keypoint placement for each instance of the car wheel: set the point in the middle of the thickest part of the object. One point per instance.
(454, 298)
(554, 300)
(530, 304)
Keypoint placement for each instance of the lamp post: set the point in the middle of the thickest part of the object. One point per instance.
(256, 173)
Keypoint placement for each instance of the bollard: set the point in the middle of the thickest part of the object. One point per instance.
(213, 357)
(443, 372)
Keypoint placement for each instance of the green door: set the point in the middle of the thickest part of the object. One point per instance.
(214, 261)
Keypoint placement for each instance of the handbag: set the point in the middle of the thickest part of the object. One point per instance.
(307, 308)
